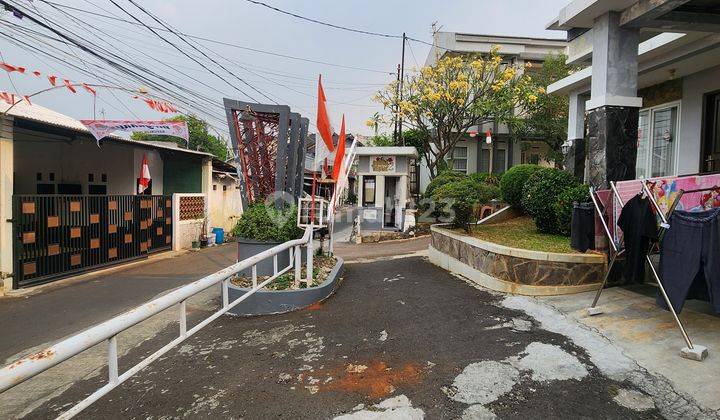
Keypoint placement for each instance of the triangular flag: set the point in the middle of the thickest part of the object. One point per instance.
(53, 80)
(89, 89)
(7, 67)
(324, 145)
(144, 176)
(37, 73)
(339, 152)
(69, 85)
(27, 99)
(21, 70)
(488, 137)
(8, 98)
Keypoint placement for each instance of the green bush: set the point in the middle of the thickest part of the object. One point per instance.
(462, 195)
(480, 177)
(564, 206)
(442, 179)
(513, 181)
(351, 198)
(540, 194)
(266, 223)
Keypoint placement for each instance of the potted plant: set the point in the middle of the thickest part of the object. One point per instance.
(262, 227)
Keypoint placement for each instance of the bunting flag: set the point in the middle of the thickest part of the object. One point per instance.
(37, 73)
(339, 152)
(158, 105)
(9, 98)
(27, 99)
(68, 84)
(89, 89)
(144, 176)
(8, 67)
(53, 80)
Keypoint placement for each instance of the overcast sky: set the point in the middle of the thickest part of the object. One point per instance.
(245, 24)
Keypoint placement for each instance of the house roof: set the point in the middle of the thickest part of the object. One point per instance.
(40, 114)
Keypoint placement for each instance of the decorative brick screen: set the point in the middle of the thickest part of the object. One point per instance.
(192, 208)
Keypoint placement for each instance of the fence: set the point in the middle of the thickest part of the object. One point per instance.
(24, 369)
(60, 235)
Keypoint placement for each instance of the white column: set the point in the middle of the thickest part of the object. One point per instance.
(6, 193)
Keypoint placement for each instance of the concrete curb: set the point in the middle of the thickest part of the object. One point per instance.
(265, 302)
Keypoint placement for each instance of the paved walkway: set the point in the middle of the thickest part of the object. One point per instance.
(400, 338)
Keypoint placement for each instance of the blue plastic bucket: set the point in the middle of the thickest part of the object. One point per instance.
(219, 235)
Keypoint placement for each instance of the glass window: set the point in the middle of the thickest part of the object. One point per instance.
(368, 191)
(657, 138)
(459, 159)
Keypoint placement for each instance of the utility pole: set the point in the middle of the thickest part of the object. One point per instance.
(397, 106)
(402, 80)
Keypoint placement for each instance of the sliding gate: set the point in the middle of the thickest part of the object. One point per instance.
(60, 235)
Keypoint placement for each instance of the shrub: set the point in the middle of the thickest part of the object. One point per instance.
(462, 195)
(351, 198)
(442, 179)
(513, 181)
(266, 223)
(540, 194)
(484, 177)
(564, 206)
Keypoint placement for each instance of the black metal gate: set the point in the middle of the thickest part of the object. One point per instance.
(61, 235)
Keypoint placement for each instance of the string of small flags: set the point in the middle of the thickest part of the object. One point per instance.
(12, 99)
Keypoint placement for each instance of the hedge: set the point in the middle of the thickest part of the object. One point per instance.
(513, 181)
(540, 194)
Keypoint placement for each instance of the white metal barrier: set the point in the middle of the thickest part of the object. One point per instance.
(30, 366)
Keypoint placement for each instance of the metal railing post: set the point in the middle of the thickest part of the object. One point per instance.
(112, 360)
(309, 266)
(254, 276)
(275, 264)
(183, 320)
(225, 292)
(298, 266)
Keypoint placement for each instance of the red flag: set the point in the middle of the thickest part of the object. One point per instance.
(8, 98)
(53, 80)
(21, 70)
(69, 85)
(27, 99)
(7, 67)
(37, 73)
(340, 152)
(89, 89)
(144, 176)
(323, 122)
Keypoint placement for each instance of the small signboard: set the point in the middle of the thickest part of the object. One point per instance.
(305, 210)
(382, 163)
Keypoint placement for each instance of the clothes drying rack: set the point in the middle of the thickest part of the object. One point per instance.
(691, 351)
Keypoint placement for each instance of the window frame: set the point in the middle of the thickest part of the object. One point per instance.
(454, 159)
(651, 129)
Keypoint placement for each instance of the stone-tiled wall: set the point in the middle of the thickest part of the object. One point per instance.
(524, 271)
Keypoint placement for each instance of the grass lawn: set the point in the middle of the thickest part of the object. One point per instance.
(522, 233)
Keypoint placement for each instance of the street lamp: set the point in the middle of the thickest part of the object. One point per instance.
(565, 147)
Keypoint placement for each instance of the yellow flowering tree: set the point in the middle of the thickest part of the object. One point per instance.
(443, 101)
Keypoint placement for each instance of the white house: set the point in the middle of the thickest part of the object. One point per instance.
(647, 102)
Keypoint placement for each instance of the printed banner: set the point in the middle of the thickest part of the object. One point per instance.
(102, 128)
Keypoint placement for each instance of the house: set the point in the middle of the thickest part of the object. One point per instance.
(225, 201)
(69, 204)
(473, 154)
(647, 102)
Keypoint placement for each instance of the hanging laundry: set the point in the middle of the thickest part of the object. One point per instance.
(582, 227)
(690, 258)
(639, 225)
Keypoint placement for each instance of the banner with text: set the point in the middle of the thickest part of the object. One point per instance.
(102, 128)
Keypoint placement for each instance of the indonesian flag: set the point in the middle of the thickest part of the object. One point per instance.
(144, 175)
(325, 147)
(488, 137)
(53, 80)
(339, 152)
(9, 98)
(68, 84)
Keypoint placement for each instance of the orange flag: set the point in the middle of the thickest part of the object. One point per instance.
(340, 152)
(323, 122)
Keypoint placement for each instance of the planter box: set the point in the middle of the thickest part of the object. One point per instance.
(265, 302)
(514, 270)
(249, 247)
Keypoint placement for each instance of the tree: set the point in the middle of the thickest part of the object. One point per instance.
(381, 140)
(374, 122)
(200, 139)
(546, 119)
(444, 100)
(417, 139)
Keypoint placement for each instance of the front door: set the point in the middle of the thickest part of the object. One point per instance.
(391, 200)
(711, 142)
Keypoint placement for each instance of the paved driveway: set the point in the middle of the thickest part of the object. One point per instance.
(400, 339)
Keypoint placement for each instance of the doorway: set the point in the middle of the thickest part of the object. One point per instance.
(710, 158)
(391, 202)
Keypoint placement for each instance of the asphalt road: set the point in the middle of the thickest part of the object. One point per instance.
(400, 338)
(66, 307)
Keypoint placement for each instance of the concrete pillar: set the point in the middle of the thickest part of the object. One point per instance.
(6, 193)
(613, 107)
(575, 157)
(207, 188)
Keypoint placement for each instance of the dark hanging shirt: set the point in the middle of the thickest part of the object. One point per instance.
(639, 225)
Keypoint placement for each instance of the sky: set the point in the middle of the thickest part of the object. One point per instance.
(240, 22)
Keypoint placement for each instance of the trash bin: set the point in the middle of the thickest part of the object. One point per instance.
(219, 235)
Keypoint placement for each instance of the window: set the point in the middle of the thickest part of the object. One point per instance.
(657, 141)
(459, 159)
(214, 187)
(368, 191)
(91, 178)
(224, 187)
